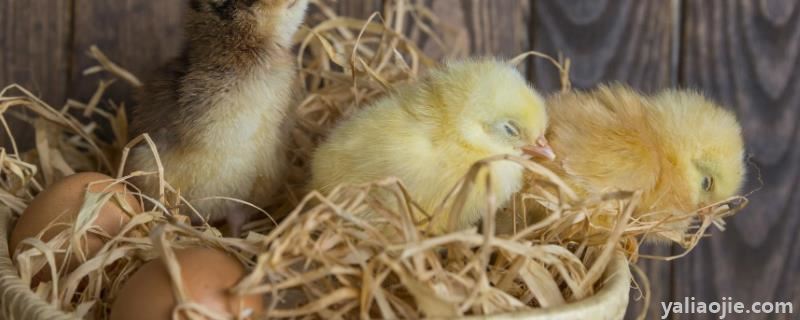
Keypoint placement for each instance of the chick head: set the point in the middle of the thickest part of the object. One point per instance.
(276, 19)
(703, 142)
(489, 107)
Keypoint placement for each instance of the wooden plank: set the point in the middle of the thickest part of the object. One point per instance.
(745, 54)
(629, 41)
(358, 8)
(34, 37)
(659, 274)
(139, 35)
(481, 27)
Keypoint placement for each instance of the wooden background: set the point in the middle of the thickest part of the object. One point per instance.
(743, 53)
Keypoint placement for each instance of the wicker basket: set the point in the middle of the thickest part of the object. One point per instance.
(18, 302)
(610, 303)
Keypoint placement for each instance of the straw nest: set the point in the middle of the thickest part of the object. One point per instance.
(322, 260)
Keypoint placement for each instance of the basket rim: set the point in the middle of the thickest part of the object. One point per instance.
(610, 302)
(17, 301)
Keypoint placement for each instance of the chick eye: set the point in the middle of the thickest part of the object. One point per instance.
(511, 129)
(708, 183)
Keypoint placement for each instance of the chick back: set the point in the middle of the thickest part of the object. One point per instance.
(386, 140)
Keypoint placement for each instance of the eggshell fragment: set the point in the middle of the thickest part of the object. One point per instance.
(58, 206)
(207, 276)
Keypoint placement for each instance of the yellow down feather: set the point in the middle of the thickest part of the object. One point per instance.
(430, 132)
(682, 150)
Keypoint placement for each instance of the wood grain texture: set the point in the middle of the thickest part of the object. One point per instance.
(139, 35)
(659, 274)
(746, 54)
(358, 8)
(34, 35)
(481, 27)
(627, 41)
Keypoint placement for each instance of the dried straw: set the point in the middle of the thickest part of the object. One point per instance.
(322, 260)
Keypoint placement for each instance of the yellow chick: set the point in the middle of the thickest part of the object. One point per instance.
(429, 133)
(682, 150)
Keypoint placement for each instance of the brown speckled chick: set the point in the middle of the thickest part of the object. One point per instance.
(218, 113)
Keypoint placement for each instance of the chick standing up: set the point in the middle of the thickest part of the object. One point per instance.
(680, 149)
(431, 132)
(218, 112)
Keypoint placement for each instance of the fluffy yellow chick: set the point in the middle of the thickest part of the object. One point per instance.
(682, 150)
(429, 133)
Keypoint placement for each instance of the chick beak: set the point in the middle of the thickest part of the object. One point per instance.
(540, 149)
